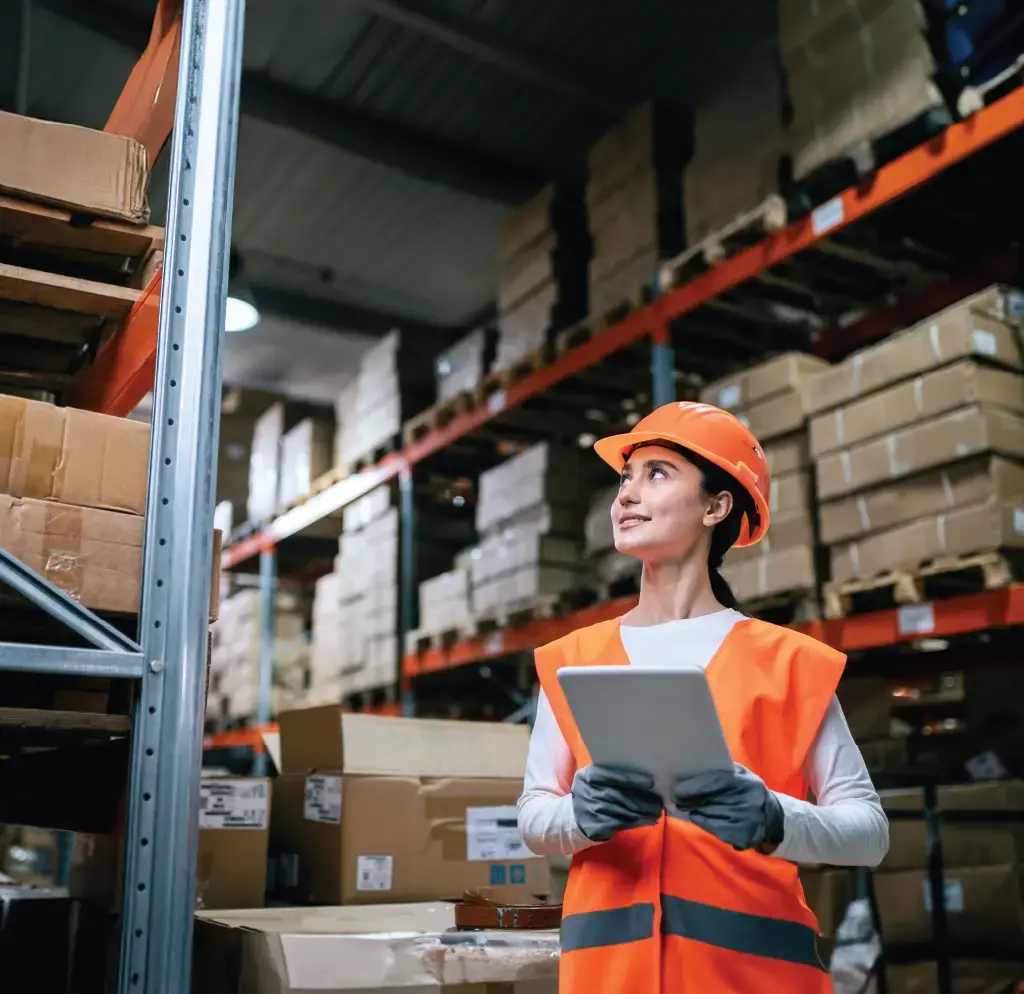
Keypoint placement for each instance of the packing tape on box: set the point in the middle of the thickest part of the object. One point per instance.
(918, 395)
(890, 448)
(933, 337)
(947, 488)
(862, 511)
(61, 549)
(857, 361)
(840, 424)
(940, 531)
(844, 461)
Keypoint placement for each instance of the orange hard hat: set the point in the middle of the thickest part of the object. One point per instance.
(718, 436)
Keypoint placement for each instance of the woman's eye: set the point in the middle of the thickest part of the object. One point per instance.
(656, 472)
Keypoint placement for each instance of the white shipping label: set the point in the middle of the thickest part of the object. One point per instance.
(730, 396)
(984, 342)
(492, 835)
(827, 216)
(954, 895)
(1018, 520)
(496, 402)
(916, 619)
(233, 804)
(375, 872)
(323, 800)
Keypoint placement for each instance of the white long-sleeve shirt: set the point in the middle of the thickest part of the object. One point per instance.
(846, 827)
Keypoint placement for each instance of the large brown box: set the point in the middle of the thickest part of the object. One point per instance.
(866, 703)
(93, 555)
(959, 532)
(827, 893)
(87, 171)
(783, 374)
(788, 453)
(964, 331)
(455, 784)
(985, 906)
(959, 485)
(788, 530)
(924, 397)
(790, 492)
(779, 572)
(970, 431)
(776, 417)
(72, 456)
(978, 843)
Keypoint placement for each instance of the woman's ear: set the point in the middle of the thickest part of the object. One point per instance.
(717, 508)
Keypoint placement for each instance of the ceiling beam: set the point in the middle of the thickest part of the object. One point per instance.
(427, 157)
(482, 45)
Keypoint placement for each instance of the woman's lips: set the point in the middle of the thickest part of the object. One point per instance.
(632, 520)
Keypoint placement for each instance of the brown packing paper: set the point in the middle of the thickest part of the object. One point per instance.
(784, 374)
(958, 485)
(923, 397)
(959, 332)
(970, 431)
(984, 527)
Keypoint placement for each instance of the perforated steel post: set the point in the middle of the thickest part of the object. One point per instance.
(160, 838)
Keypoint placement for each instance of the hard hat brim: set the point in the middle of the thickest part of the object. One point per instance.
(611, 450)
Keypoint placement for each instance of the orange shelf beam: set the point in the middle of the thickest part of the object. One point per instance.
(126, 364)
(898, 178)
(936, 619)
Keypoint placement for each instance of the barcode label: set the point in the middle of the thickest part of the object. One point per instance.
(492, 835)
(233, 804)
(323, 800)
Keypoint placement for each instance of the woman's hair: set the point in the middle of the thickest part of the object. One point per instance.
(713, 480)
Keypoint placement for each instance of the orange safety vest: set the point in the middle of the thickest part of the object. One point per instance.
(670, 908)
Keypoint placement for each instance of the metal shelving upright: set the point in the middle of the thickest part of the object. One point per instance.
(168, 660)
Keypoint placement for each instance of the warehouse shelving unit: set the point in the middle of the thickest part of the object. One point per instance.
(166, 664)
(814, 233)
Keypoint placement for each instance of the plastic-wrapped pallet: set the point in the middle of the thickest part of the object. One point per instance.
(916, 442)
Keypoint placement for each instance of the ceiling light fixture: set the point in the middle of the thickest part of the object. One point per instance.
(240, 312)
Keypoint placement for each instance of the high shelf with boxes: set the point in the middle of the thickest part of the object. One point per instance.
(113, 722)
(846, 258)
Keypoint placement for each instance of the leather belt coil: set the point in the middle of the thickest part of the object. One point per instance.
(479, 913)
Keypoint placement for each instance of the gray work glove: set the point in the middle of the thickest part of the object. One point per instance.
(610, 799)
(733, 805)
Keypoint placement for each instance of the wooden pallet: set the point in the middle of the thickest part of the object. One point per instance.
(66, 283)
(537, 609)
(436, 417)
(767, 217)
(592, 326)
(790, 608)
(419, 642)
(502, 379)
(938, 578)
(376, 454)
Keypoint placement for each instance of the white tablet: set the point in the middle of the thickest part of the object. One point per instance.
(659, 720)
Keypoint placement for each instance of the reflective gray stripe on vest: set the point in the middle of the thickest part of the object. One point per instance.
(614, 927)
(740, 932)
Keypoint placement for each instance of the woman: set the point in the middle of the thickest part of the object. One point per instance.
(655, 903)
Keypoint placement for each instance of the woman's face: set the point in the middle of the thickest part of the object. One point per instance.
(660, 512)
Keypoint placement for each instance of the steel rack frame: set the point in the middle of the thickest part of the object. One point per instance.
(168, 660)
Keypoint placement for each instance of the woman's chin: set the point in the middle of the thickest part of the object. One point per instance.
(630, 545)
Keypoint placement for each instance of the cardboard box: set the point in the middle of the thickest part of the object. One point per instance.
(456, 784)
(460, 368)
(827, 893)
(958, 485)
(391, 949)
(265, 464)
(866, 703)
(884, 755)
(959, 332)
(788, 453)
(983, 527)
(784, 374)
(985, 906)
(75, 457)
(94, 556)
(970, 431)
(787, 531)
(776, 417)
(780, 572)
(234, 835)
(978, 843)
(790, 493)
(306, 454)
(87, 171)
(923, 397)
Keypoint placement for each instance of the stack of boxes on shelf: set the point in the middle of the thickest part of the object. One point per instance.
(240, 410)
(542, 282)
(72, 499)
(914, 441)
(739, 142)
(635, 203)
(769, 400)
(616, 573)
(372, 810)
(459, 369)
(983, 884)
(529, 515)
(446, 607)
(355, 610)
(856, 71)
(234, 685)
(867, 704)
(393, 382)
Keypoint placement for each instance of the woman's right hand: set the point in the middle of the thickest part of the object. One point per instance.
(611, 799)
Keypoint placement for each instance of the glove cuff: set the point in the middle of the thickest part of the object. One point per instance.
(775, 820)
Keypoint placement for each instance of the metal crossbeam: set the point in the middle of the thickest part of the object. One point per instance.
(61, 606)
(61, 660)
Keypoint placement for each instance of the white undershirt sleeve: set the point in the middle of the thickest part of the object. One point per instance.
(546, 820)
(847, 827)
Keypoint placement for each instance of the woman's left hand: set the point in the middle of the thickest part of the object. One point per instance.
(733, 805)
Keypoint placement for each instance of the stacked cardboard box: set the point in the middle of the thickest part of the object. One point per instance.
(635, 202)
(739, 142)
(355, 621)
(235, 660)
(372, 810)
(769, 400)
(239, 412)
(265, 464)
(72, 499)
(914, 440)
(983, 874)
(542, 282)
(615, 572)
(529, 515)
(857, 70)
(461, 368)
(306, 453)
(445, 602)
(867, 704)
(393, 383)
